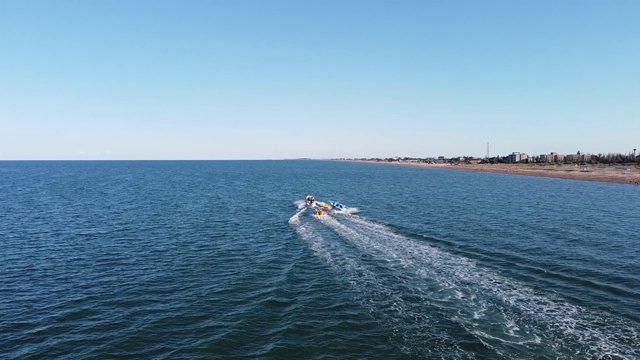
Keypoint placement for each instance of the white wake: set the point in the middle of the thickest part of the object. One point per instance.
(415, 285)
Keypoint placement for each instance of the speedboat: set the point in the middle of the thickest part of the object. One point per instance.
(326, 206)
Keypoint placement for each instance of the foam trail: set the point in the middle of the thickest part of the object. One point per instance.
(373, 290)
(385, 296)
(481, 298)
(296, 217)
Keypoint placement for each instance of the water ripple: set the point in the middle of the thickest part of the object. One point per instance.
(219, 260)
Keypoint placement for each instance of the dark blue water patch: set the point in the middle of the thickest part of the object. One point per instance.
(202, 259)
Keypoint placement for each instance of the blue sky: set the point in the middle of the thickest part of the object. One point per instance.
(244, 79)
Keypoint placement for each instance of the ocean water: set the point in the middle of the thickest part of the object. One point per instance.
(222, 259)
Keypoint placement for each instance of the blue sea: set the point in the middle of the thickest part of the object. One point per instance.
(223, 260)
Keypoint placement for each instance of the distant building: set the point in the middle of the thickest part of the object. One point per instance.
(552, 157)
(557, 157)
(579, 157)
(517, 157)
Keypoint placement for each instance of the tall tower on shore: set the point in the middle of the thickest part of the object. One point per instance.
(487, 149)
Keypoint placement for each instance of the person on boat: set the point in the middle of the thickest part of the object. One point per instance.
(310, 199)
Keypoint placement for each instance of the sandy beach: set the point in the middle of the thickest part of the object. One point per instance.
(618, 174)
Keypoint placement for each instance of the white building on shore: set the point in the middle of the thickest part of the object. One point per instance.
(517, 157)
(552, 157)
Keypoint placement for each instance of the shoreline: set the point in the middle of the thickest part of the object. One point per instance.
(620, 175)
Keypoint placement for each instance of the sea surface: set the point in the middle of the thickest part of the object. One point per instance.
(223, 260)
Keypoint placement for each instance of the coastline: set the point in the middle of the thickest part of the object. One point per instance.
(621, 175)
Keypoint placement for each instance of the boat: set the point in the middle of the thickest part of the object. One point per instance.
(331, 205)
(323, 205)
(337, 206)
(319, 212)
(310, 200)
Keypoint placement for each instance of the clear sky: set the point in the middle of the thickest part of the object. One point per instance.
(242, 79)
